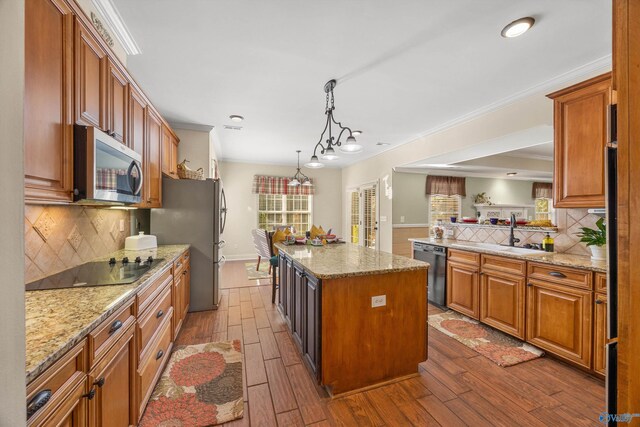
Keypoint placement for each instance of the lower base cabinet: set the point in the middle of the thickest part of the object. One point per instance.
(463, 289)
(559, 319)
(502, 302)
(112, 382)
(299, 302)
(600, 333)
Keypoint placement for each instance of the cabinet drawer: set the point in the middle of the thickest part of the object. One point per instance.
(601, 282)
(561, 275)
(151, 320)
(503, 264)
(57, 382)
(151, 367)
(109, 332)
(464, 256)
(146, 296)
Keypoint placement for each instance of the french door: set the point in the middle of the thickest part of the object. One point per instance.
(363, 215)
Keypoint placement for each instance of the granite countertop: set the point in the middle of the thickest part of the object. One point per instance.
(57, 319)
(567, 260)
(336, 261)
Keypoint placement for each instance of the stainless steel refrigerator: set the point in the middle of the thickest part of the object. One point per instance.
(195, 212)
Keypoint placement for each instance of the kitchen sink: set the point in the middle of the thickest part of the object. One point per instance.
(500, 248)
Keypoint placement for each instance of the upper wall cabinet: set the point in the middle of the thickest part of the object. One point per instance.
(48, 106)
(169, 152)
(90, 78)
(137, 117)
(153, 160)
(117, 97)
(580, 137)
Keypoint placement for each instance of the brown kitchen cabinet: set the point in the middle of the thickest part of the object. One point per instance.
(559, 319)
(600, 333)
(502, 294)
(136, 134)
(90, 78)
(48, 103)
(112, 383)
(169, 152)
(152, 160)
(580, 137)
(463, 290)
(117, 111)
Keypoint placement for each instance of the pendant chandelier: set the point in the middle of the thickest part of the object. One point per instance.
(299, 178)
(327, 150)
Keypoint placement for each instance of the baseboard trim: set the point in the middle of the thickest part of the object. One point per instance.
(242, 257)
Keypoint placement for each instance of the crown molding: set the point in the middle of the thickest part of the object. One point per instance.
(115, 22)
(190, 126)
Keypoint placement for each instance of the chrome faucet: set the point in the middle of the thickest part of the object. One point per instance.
(512, 240)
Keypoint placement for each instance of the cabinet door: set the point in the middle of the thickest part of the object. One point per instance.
(117, 85)
(282, 278)
(186, 289)
(153, 160)
(174, 156)
(166, 150)
(600, 333)
(289, 313)
(463, 289)
(502, 301)
(113, 380)
(580, 136)
(559, 320)
(177, 303)
(48, 101)
(299, 285)
(312, 324)
(137, 117)
(90, 80)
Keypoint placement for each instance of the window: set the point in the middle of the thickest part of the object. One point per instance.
(275, 210)
(443, 208)
(544, 209)
(355, 217)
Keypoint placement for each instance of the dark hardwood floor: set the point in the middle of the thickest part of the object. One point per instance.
(455, 387)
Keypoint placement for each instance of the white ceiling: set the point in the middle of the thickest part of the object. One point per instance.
(403, 67)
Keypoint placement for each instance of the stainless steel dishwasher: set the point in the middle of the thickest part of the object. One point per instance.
(436, 256)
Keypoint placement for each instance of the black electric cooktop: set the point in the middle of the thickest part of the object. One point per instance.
(102, 273)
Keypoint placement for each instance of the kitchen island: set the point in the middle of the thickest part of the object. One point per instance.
(358, 316)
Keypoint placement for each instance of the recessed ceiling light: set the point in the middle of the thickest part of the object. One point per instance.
(517, 27)
(382, 143)
(512, 173)
(356, 132)
(236, 118)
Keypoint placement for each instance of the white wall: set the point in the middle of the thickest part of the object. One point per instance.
(12, 316)
(242, 214)
(409, 198)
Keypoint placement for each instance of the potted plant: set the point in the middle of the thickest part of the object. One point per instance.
(596, 240)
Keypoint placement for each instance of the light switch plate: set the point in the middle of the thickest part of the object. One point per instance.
(121, 225)
(401, 219)
(379, 301)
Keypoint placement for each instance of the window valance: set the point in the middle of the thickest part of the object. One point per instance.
(263, 184)
(446, 185)
(542, 189)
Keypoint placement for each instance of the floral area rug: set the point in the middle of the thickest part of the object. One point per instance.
(496, 346)
(254, 274)
(200, 386)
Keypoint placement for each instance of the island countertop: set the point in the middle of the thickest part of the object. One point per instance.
(57, 319)
(336, 261)
(567, 260)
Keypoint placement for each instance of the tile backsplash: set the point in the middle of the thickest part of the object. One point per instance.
(568, 221)
(61, 237)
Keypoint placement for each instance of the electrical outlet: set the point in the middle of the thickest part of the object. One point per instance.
(379, 301)
(383, 218)
(448, 232)
(401, 219)
(121, 225)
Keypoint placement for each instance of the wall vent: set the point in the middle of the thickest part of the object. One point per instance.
(229, 127)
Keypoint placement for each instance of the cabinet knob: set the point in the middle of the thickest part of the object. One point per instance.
(160, 314)
(99, 382)
(115, 326)
(529, 284)
(91, 394)
(160, 354)
(599, 301)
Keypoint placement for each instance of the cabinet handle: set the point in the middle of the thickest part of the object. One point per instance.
(184, 273)
(160, 354)
(100, 382)
(599, 301)
(160, 314)
(557, 274)
(115, 326)
(91, 394)
(529, 284)
(37, 402)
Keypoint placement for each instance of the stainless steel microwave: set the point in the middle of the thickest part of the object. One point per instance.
(104, 170)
